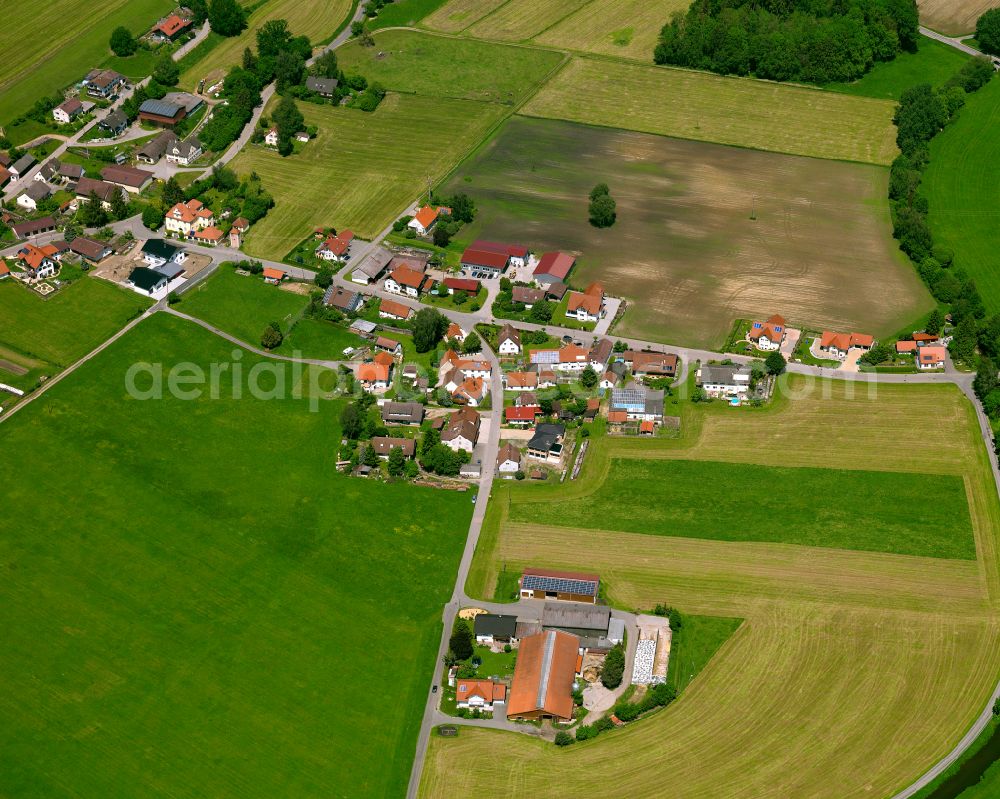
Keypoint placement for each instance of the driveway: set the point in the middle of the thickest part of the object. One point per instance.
(850, 363)
(791, 341)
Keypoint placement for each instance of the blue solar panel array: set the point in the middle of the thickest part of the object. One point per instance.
(563, 585)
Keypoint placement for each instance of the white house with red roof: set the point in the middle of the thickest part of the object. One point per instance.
(930, 357)
(36, 263)
(837, 345)
(769, 334)
(454, 332)
(273, 276)
(568, 358)
(588, 305)
(336, 248)
(407, 281)
(186, 218)
(426, 218)
(508, 341)
(67, 111)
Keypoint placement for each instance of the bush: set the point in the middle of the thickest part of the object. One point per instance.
(563, 738)
(271, 337)
(614, 667)
(122, 42)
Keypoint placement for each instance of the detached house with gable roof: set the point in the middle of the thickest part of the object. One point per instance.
(508, 341)
(36, 263)
(837, 345)
(67, 111)
(462, 430)
(426, 218)
(336, 248)
(769, 334)
(586, 306)
(407, 281)
(187, 218)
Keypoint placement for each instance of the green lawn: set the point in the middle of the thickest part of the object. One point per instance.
(447, 301)
(243, 305)
(962, 185)
(199, 605)
(436, 66)
(315, 338)
(933, 63)
(75, 41)
(404, 13)
(68, 325)
(693, 645)
(907, 514)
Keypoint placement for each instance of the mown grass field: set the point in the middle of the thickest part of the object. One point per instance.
(63, 328)
(425, 64)
(904, 513)
(197, 604)
(53, 44)
(694, 260)
(934, 62)
(953, 17)
(404, 13)
(962, 185)
(624, 28)
(852, 672)
(317, 19)
(456, 15)
(738, 111)
(519, 20)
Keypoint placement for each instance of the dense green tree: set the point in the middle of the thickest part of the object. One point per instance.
(461, 640)
(397, 461)
(351, 422)
(430, 440)
(541, 311)
(563, 738)
(986, 378)
(166, 72)
(119, 207)
(271, 337)
(325, 66)
(172, 192)
(429, 327)
(289, 69)
(227, 17)
(921, 113)
(199, 10)
(92, 213)
(963, 342)
(934, 322)
(471, 343)
(602, 211)
(974, 74)
(589, 378)
(775, 363)
(988, 32)
(250, 60)
(614, 667)
(600, 190)
(463, 209)
(369, 457)
(289, 121)
(442, 234)
(123, 43)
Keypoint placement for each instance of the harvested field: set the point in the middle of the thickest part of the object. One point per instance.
(457, 15)
(694, 259)
(318, 20)
(362, 169)
(952, 17)
(739, 111)
(519, 20)
(853, 671)
(626, 28)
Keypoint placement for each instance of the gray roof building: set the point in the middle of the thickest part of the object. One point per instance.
(547, 438)
(324, 86)
(495, 626)
(363, 327)
(723, 375)
(161, 249)
(160, 108)
(588, 619)
(402, 413)
(115, 122)
(22, 164)
(38, 190)
(149, 280)
(153, 150)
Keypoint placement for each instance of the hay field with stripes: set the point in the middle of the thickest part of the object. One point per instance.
(852, 672)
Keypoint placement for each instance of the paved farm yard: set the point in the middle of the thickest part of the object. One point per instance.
(837, 646)
(196, 605)
(684, 251)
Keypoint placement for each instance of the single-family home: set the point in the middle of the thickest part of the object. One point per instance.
(495, 628)
(521, 415)
(470, 367)
(104, 191)
(21, 166)
(389, 345)
(67, 111)
(724, 380)
(638, 402)
(33, 195)
(552, 267)
(454, 332)
(407, 281)
(372, 267)
(36, 263)
(171, 28)
(336, 248)
(525, 399)
(520, 381)
(508, 459)
(608, 380)
(508, 341)
(471, 391)
(374, 376)
(344, 300)
(454, 284)
(184, 152)
(114, 123)
(147, 281)
(837, 345)
(906, 346)
(383, 445)
(769, 334)
(210, 235)
(390, 309)
(546, 377)
(161, 113)
(462, 430)
(128, 177)
(600, 354)
(547, 442)
(158, 252)
(492, 258)
(644, 363)
(49, 171)
(544, 677)
(403, 413)
(325, 87)
(480, 695)
(526, 295)
(272, 275)
(104, 83)
(559, 585)
(271, 137)
(568, 358)
(187, 217)
(588, 305)
(931, 357)
(94, 251)
(426, 218)
(153, 150)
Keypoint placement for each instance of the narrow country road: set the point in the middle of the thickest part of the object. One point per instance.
(951, 41)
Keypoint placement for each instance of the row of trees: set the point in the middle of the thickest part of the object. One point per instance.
(819, 41)
(922, 113)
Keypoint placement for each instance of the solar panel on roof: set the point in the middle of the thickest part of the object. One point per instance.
(534, 582)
